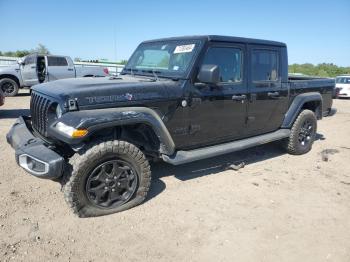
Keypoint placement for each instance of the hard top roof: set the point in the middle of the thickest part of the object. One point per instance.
(220, 38)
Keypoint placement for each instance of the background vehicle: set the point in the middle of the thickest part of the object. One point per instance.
(342, 86)
(2, 98)
(178, 99)
(35, 69)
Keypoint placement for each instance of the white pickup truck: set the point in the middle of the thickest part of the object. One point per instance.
(35, 69)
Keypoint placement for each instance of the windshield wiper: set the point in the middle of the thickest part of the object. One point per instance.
(131, 71)
(154, 72)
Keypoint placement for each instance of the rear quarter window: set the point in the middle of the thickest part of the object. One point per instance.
(57, 61)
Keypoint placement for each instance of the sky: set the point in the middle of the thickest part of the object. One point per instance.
(314, 31)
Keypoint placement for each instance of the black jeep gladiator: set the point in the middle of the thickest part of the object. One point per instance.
(178, 99)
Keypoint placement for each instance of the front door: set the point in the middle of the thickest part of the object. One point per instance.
(268, 97)
(217, 112)
(29, 71)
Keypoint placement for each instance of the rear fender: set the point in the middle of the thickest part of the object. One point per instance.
(297, 105)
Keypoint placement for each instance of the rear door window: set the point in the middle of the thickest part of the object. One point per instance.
(57, 61)
(265, 65)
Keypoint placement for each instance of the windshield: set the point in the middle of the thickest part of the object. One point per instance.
(343, 80)
(163, 59)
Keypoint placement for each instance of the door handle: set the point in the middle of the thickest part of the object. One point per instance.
(33, 67)
(239, 97)
(273, 94)
(70, 69)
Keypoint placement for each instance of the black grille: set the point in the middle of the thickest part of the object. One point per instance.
(39, 109)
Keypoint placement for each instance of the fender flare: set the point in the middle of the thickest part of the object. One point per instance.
(98, 119)
(296, 106)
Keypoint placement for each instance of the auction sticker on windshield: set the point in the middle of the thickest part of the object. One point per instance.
(184, 48)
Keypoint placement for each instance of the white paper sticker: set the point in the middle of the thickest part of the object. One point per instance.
(184, 48)
(175, 68)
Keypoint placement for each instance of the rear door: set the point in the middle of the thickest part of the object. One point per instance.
(268, 98)
(29, 71)
(59, 68)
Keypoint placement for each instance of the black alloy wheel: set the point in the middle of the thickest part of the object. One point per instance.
(9, 87)
(306, 133)
(111, 184)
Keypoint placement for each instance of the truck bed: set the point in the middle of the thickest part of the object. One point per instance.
(324, 86)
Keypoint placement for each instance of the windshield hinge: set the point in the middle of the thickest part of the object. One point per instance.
(72, 104)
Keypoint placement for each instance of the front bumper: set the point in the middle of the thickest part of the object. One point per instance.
(31, 152)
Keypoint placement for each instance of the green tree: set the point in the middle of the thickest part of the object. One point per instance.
(123, 62)
(41, 49)
(323, 70)
(21, 53)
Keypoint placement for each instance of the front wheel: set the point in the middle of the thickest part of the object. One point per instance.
(9, 86)
(106, 178)
(303, 133)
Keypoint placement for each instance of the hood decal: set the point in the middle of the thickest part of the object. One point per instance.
(109, 99)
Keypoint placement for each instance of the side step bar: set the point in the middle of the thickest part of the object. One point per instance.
(182, 157)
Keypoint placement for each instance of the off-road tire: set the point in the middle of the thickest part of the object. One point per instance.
(12, 89)
(81, 165)
(293, 144)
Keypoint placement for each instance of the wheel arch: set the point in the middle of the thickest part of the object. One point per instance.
(139, 124)
(13, 77)
(312, 101)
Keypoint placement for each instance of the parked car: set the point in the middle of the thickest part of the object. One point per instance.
(178, 100)
(2, 98)
(342, 86)
(35, 69)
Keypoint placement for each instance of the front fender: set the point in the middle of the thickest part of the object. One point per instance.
(296, 106)
(12, 71)
(94, 120)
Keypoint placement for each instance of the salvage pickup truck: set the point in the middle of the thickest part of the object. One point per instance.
(178, 100)
(34, 69)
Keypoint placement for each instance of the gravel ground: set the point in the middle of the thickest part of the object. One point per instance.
(277, 208)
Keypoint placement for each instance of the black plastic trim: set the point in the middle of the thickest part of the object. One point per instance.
(297, 104)
(182, 157)
(23, 141)
(94, 120)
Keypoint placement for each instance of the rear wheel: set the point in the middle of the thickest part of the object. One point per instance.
(303, 133)
(108, 177)
(9, 86)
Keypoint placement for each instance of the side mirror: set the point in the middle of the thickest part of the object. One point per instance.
(209, 74)
(20, 61)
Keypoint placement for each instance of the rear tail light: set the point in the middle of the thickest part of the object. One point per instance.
(106, 70)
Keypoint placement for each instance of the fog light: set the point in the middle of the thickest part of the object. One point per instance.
(33, 165)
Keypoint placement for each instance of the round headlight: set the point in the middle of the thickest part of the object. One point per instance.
(59, 111)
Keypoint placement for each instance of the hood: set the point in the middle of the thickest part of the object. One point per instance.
(101, 92)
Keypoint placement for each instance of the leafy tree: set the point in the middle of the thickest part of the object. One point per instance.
(21, 53)
(123, 62)
(323, 70)
(41, 49)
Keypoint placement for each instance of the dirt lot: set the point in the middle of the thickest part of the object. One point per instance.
(277, 208)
